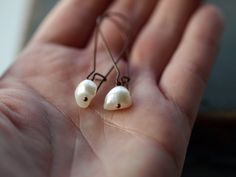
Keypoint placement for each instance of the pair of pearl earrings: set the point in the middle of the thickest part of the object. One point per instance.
(117, 98)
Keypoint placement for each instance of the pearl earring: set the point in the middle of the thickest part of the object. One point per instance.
(119, 97)
(87, 89)
(85, 92)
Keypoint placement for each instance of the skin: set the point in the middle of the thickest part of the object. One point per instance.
(44, 133)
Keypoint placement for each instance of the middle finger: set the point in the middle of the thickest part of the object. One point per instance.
(137, 13)
(158, 41)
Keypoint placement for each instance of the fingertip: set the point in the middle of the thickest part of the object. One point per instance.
(211, 20)
(214, 13)
(71, 22)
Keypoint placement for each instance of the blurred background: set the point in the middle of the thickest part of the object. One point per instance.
(212, 150)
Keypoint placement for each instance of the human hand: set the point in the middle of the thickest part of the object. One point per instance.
(44, 133)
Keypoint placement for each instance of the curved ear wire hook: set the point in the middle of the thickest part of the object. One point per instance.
(112, 58)
(123, 52)
(95, 51)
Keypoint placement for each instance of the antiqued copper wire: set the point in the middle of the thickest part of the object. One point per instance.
(124, 80)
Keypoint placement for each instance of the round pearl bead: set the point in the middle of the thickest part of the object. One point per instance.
(118, 98)
(85, 92)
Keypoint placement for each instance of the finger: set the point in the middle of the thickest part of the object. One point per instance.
(137, 14)
(71, 22)
(185, 77)
(162, 34)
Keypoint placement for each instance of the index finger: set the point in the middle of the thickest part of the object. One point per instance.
(71, 22)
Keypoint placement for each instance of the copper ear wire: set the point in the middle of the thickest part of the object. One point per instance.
(124, 52)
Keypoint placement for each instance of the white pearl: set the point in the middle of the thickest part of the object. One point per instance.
(118, 98)
(85, 92)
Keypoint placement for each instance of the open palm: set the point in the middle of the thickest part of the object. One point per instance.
(44, 133)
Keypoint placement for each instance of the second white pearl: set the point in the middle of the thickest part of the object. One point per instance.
(118, 98)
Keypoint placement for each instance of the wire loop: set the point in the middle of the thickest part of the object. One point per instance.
(124, 53)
